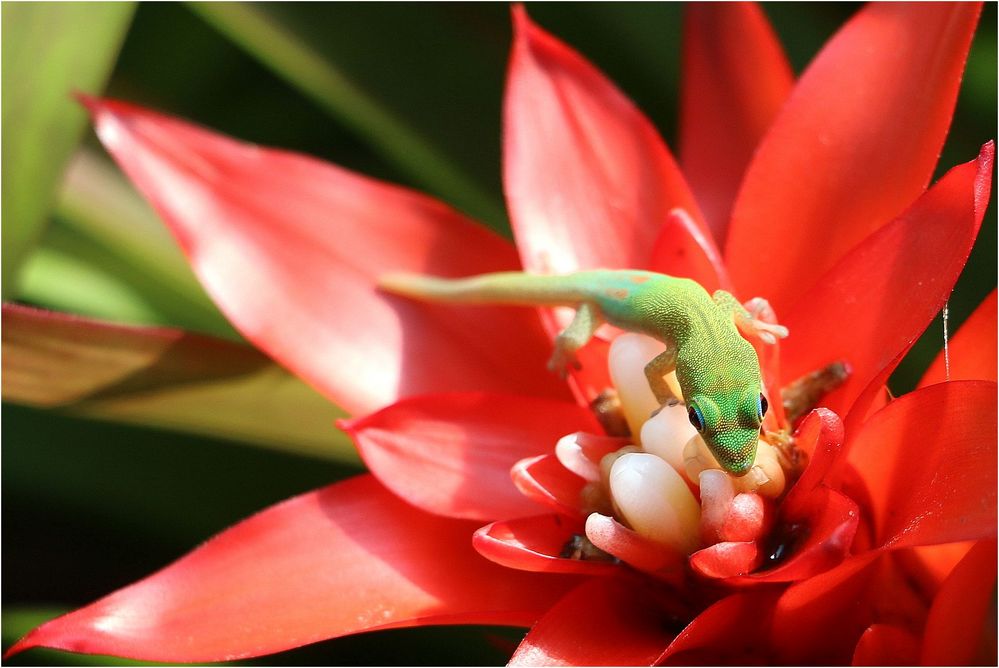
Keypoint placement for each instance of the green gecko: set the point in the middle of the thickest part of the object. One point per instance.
(717, 369)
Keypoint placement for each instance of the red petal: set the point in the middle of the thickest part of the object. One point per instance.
(930, 565)
(603, 622)
(929, 459)
(973, 353)
(347, 558)
(960, 629)
(537, 544)
(820, 437)
(821, 618)
(731, 632)
(683, 248)
(813, 543)
(290, 249)
(856, 142)
(735, 79)
(867, 310)
(588, 179)
(887, 645)
(726, 560)
(451, 454)
(544, 480)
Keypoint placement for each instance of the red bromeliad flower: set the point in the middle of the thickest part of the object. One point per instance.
(818, 190)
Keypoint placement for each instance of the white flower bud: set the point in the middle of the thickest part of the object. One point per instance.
(655, 501)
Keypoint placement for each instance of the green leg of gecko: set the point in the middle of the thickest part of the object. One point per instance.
(656, 370)
(572, 338)
(747, 321)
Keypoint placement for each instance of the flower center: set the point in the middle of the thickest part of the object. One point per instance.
(667, 486)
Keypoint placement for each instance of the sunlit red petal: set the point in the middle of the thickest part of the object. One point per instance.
(856, 142)
(290, 248)
(603, 622)
(871, 306)
(537, 544)
(960, 629)
(588, 180)
(887, 645)
(735, 79)
(451, 454)
(972, 349)
(546, 481)
(929, 458)
(684, 249)
(347, 558)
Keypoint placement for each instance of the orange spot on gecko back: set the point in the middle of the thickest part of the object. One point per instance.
(616, 293)
(638, 280)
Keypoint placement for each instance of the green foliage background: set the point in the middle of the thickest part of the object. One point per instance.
(410, 93)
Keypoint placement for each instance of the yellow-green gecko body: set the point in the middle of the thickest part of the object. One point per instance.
(717, 369)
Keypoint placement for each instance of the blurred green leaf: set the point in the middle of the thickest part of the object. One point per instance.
(289, 53)
(107, 255)
(68, 274)
(50, 49)
(165, 378)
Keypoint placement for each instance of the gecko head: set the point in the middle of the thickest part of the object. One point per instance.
(730, 425)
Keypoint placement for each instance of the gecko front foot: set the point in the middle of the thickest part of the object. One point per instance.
(759, 320)
(563, 358)
(669, 404)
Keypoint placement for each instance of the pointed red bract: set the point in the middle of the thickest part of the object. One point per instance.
(820, 437)
(928, 458)
(604, 622)
(856, 142)
(973, 349)
(726, 560)
(347, 558)
(824, 615)
(684, 249)
(865, 311)
(735, 79)
(451, 454)
(537, 544)
(812, 543)
(588, 179)
(730, 632)
(546, 481)
(290, 249)
(960, 629)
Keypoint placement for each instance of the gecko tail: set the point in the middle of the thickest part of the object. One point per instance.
(513, 288)
(432, 288)
(408, 285)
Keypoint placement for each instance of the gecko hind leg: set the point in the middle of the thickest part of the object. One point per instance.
(754, 319)
(572, 338)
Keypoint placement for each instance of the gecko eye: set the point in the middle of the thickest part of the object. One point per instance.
(695, 417)
(762, 406)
